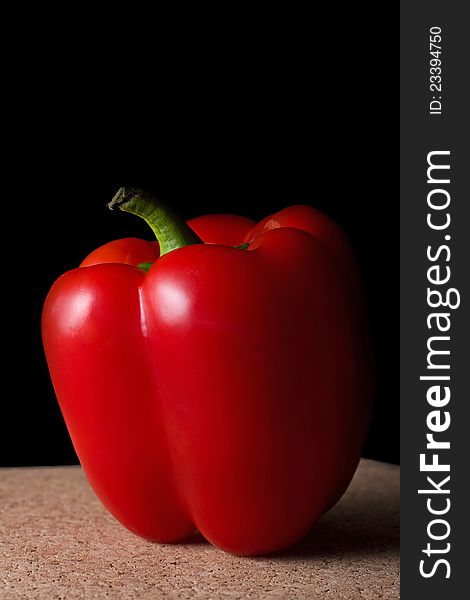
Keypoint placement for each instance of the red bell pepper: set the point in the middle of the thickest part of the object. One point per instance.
(226, 389)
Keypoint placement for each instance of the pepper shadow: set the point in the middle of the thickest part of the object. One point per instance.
(365, 522)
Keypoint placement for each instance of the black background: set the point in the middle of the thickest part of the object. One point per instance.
(219, 129)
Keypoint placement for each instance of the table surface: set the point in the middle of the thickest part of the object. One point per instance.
(57, 541)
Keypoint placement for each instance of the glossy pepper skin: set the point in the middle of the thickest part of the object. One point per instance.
(222, 390)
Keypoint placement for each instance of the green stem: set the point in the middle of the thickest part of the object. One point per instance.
(170, 231)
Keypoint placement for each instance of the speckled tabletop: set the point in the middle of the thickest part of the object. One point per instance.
(57, 541)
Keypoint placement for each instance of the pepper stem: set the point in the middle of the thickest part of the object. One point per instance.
(170, 231)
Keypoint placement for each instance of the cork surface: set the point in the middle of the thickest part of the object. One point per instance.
(57, 541)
